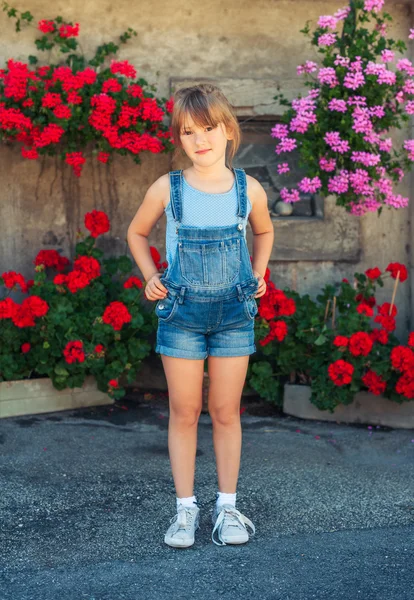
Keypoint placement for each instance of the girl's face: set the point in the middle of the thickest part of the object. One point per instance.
(204, 145)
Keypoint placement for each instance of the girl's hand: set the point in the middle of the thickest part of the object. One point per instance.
(154, 290)
(261, 290)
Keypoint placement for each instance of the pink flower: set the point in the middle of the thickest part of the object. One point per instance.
(333, 139)
(280, 131)
(357, 101)
(308, 67)
(327, 21)
(339, 105)
(342, 61)
(328, 76)
(385, 145)
(410, 107)
(411, 36)
(399, 97)
(359, 181)
(409, 146)
(361, 120)
(327, 165)
(342, 13)
(286, 145)
(283, 168)
(374, 5)
(354, 80)
(405, 65)
(308, 185)
(408, 86)
(339, 184)
(327, 39)
(396, 201)
(376, 111)
(366, 158)
(289, 196)
(387, 56)
(387, 77)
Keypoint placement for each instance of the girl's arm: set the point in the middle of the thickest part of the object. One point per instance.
(263, 232)
(146, 217)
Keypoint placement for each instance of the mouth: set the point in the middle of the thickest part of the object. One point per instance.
(203, 151)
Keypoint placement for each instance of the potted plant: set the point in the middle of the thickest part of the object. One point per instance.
(76, 320)
(331, 345)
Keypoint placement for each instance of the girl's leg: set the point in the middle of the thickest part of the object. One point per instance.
(185, 381)
(227, 376)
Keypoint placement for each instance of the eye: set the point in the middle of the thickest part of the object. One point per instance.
(209, 128)
(187, 132)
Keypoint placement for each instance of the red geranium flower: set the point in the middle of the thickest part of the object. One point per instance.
(133, 281)
(97, 222)
(73, 352)
(46, 26)
(66, 31)
(393, 268)
(340, 372)
(116, 314)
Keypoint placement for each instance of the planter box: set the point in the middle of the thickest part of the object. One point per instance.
(33, 396)
(366, 408)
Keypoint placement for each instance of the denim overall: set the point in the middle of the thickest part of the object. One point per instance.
(210, 305)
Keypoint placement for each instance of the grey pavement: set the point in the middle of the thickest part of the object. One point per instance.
(87, 495)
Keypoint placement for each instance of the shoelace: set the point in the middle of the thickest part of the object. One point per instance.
(183, 519)
(235, 517)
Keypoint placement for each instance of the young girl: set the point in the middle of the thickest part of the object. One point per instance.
(206, 298)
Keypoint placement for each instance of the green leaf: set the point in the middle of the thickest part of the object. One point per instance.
(124, 264)
(61, 371)
(27, 16)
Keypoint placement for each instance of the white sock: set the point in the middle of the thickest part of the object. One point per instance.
(223, 498)
(189, 501)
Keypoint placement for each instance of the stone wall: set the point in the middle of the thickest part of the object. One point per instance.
(254, 45)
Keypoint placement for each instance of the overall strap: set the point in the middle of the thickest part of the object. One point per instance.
(241, 187)
(176, 194)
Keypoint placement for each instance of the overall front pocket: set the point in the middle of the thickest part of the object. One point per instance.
(210, 263)
(166, 308)
(250, 308)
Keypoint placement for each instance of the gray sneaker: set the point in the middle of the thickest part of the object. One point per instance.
(230, 525)
(181, 533)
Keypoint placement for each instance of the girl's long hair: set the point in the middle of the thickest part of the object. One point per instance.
(206, 104)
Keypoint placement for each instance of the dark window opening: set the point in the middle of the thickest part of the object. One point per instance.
(257, 156)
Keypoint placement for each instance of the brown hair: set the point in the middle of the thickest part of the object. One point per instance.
(207, 105)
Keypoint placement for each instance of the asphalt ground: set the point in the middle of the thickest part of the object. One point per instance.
(87, 495)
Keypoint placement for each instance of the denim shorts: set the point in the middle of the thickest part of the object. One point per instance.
(197, 328)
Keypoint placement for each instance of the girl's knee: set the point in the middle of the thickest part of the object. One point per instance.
(225, 418)
(185, 417)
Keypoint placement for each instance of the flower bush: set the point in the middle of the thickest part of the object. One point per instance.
(341, 127)
(331, 343)
(78, 319)
(64, 107)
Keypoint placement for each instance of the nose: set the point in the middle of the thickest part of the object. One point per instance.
(200, 139)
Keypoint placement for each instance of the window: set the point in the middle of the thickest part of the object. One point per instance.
(258, 157)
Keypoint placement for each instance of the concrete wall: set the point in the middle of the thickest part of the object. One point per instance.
(42, 205)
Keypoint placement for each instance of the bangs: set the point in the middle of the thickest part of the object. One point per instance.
(200, 109)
